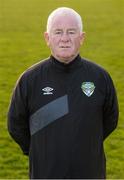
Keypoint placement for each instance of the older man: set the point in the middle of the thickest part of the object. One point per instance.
(63, 108)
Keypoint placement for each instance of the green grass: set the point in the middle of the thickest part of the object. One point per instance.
(22, 23)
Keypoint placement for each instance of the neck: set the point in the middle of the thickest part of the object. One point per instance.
(66, 60)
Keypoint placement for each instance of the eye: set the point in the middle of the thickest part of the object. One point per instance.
(58, 32)
(71, 32)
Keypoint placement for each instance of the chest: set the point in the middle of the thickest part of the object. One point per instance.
(83, 90)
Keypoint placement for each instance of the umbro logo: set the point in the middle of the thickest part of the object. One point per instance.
(47, 91)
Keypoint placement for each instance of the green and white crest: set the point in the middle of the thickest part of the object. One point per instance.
(88, 88)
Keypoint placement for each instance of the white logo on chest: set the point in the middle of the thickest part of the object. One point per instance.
(47, 91)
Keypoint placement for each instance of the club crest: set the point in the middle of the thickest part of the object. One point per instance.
(88, 88)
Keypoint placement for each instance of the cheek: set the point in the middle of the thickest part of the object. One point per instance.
(76, 44)
(53, 42)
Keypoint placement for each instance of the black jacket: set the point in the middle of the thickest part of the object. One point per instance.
(60, 115)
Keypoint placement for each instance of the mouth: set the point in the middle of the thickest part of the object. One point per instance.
(65, 47)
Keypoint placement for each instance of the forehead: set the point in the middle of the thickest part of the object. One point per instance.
(64, 21)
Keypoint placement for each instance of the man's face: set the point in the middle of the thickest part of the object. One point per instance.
(64, 38)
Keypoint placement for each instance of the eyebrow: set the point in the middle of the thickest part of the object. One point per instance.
(70, 29)
(57, 29)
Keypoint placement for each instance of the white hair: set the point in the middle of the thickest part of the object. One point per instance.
(64, 11)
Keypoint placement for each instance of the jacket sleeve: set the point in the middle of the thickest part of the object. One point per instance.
(18, 125)
(110, 111)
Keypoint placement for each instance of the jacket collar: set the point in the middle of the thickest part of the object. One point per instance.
(59, 66)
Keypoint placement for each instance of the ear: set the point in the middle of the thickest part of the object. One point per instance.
(46, 36)
(82, 37)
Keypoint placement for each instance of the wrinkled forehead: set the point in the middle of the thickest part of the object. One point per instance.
(64, 21)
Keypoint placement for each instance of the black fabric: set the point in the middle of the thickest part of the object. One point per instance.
(72, 146)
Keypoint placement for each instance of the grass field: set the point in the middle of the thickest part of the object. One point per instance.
(22, 23)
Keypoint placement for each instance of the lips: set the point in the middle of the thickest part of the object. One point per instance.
(65, 47)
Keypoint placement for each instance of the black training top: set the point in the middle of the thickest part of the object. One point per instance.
(60, 114)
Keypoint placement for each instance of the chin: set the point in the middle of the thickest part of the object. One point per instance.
(66, 55)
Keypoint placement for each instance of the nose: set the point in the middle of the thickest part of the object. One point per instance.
(65, 37)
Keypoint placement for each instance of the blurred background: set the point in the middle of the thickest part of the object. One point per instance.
(22, 23)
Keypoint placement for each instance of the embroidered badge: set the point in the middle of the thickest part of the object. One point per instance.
(88, 88)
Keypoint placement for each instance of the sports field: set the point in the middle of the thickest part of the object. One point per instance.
(22, 23)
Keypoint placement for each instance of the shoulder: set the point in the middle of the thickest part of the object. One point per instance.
(94, 68)
(97, 72)
(90, 65)
(34, 70)
(31, 74)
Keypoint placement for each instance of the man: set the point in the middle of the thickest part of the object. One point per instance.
(63, 108)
